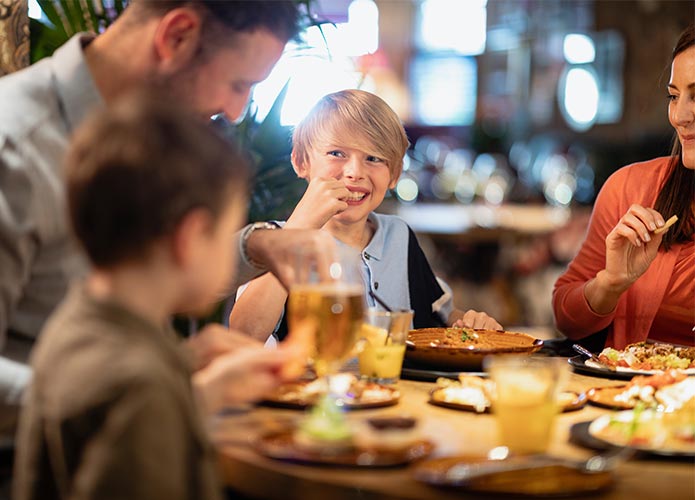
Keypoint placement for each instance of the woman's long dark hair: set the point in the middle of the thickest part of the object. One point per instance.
(676, 195)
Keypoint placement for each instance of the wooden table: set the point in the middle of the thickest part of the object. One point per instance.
(454, 432)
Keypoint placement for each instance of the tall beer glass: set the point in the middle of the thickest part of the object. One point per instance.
(325, 312)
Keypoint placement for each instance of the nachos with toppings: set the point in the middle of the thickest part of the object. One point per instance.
(649, 356)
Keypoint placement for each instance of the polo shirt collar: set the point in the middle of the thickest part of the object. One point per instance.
(375, 248)
(76, 89)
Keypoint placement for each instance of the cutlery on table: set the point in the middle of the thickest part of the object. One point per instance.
(585, 352)
(606, 462)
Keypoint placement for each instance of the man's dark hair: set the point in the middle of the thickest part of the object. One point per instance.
(134, 170)
(280, 17)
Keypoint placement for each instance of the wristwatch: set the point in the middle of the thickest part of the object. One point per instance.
(246, 234)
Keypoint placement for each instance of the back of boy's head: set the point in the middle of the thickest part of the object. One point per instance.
(135, 169)
(355, 119)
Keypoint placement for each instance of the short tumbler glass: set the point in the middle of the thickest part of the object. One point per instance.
(382, 344)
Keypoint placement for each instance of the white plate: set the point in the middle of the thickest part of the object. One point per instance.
(658, 440)
(623, 369)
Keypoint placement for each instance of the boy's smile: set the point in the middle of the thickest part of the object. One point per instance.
(366, 177)
(357, 195)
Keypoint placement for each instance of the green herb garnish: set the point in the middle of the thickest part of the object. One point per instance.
(634, 424)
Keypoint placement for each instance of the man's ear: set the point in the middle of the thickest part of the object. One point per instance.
(299, 166)
(187, 239)
(177, 39)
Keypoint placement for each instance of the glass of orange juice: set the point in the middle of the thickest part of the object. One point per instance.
(382, 344)
(525, 399)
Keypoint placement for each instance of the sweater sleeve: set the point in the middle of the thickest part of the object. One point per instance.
(573, 315)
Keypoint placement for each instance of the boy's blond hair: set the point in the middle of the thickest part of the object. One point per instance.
(359, 120)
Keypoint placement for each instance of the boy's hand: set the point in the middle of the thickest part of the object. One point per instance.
(475, 319)
(242, 376)
(323, 199)
(215, 340)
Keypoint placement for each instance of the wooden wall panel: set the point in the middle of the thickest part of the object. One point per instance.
(14, 35)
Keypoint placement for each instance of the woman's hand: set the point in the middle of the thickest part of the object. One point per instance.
(323, 199)
(632, 246)
(478, 320)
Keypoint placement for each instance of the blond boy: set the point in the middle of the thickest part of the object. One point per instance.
(350, 149)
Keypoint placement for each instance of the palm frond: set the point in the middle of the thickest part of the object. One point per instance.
(56, 18)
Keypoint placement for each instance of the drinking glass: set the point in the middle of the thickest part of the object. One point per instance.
(382, 344)
(525, 399)
(325, 312)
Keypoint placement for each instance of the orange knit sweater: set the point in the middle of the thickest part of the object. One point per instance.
(634, 315)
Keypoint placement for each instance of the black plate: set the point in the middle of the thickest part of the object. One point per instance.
(577, 364)
(579, 435)
(426, 375)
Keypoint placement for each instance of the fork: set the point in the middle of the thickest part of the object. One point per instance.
(581, 350)
(463, 472)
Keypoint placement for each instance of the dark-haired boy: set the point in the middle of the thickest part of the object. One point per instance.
(154, 199)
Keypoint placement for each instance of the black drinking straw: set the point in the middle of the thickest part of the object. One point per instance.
(379, 301)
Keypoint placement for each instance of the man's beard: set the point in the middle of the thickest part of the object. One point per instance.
(180, 89)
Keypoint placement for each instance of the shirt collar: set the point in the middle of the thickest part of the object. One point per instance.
(76, 89)
(375, 248)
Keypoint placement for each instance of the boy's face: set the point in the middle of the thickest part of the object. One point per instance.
(367, 177)
(211, 270)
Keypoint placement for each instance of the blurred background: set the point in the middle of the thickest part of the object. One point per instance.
(516, 110)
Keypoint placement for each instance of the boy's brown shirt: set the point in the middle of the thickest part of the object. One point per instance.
(110, 412)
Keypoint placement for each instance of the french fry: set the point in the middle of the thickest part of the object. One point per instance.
(668, 224)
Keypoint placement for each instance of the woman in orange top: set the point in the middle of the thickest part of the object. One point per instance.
(630, 279)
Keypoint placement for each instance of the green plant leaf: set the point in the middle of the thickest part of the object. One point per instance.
(65, 18)
(271, 137)
(49, 9)
(73, 25)
(119, 5)
(275, 193)
(92, 16)
(73, 13)
(44, 40)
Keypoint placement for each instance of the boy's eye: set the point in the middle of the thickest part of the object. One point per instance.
(374, 159)
(337, 154)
